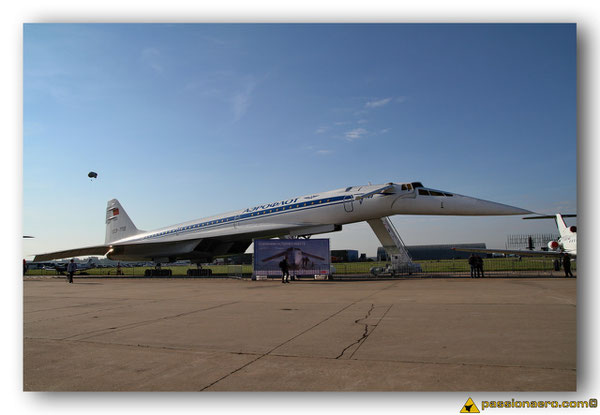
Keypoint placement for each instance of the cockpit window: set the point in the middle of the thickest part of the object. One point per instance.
(417, 184)
(403, 187)
(429, 192)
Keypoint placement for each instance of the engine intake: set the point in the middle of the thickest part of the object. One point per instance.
(553, 245)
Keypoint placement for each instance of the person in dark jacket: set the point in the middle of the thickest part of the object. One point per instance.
(473, 264)
(285, 270)
(71, 268)
(479, 266)
(567, 265)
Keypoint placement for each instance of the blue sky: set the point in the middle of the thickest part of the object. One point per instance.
(185, 121)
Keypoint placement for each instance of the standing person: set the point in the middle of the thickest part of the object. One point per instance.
(24, 267)
(71, 268)
(479, 266)
(556, 264)
(473, 264)
(567, 265)
(285, 270)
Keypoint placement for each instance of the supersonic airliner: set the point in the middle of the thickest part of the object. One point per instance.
(303, 216)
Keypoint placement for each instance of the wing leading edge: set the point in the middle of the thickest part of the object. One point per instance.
(90, 250)
(522, 252)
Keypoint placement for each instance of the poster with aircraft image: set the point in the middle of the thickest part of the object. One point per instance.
(304, 256)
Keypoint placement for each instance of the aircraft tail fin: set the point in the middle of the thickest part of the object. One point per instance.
(118, 223)
(563, 229)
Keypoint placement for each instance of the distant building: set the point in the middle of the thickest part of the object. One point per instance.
(344, 255)
(382, 255)
(428, 252)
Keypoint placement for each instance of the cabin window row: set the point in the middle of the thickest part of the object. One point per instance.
(230, 219)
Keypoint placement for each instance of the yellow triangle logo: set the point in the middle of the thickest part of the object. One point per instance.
(469, 407)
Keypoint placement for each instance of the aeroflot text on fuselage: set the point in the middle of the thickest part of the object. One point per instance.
(271, 205)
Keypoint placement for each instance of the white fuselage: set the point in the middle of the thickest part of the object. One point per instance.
(569, 244)
(312, 214)
(335, 207)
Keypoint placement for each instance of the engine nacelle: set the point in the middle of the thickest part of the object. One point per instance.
(553, 245)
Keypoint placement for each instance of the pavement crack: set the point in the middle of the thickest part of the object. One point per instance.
(231, 373)
(79, 314)
(365, 332)
(102, 331)
(277, 347)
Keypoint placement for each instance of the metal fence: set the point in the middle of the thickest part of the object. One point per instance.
(492, 267)
(497, 267)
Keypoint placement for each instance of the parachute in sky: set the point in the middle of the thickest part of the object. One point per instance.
(93, 175)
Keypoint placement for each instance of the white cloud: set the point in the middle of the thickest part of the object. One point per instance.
(378, 103)
(151, 57)
(233, 89)
(313, 149)
(355, 134)
(241, 100)
(321, 130)
(362, 121)
(385, 130)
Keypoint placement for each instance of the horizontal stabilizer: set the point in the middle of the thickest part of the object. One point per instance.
(69, 253)
(550, 216)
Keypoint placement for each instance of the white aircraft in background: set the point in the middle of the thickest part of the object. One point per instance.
(303, 216)
(566, 243)
(61, 267)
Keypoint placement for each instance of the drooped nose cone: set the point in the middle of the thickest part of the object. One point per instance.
(415, 199)
(466, 205)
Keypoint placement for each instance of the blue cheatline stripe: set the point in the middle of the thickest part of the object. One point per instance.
(249, 216)
(212, 224)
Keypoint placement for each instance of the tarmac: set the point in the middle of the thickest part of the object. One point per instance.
(454, 334)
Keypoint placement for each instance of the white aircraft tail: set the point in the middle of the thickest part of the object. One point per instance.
(563, 229)
(118, 223)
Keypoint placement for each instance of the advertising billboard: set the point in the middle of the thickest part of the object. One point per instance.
(304, 256)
